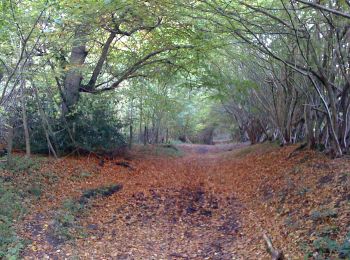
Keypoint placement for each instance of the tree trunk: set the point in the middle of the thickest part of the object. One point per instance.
(167, 135)
(145, 136)
(45, 123)
(344, 108)
(130, 136)
(24, 119)
(9, 145)
(310, 138)
(73, 78)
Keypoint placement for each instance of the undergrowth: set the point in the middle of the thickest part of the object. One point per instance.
(20, 164)
(66, 225)
(257, 148)
(325, 247)
(162, 150)
(19, 184)
(10, 211)
(66, 221)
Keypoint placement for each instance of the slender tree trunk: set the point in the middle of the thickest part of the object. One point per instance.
(141, 120)
(9, 144)
(309, 129)
(45, 123)
(331, 118)
(157, 133)
(167, 135)
(25, 119)
(147, 135)
(344, 108)
(130, 136)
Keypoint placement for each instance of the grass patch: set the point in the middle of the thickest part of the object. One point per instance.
(20, 184)
(257, 148)
(52, 178)
(79, 176)
(167, 150)
(66, 225)
(35, 189)
(323, 214)
(10, 211)
(66, 222)
(21, 164)
(327, 248)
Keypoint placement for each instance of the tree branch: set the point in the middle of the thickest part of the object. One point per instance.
(324, 8)
(128, 73)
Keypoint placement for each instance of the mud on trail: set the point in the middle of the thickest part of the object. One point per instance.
(202, 202)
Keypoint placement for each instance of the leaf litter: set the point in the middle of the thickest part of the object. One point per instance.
(213, 205)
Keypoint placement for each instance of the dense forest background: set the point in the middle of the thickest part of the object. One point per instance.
(97, 75)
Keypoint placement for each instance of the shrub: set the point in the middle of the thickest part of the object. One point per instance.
(91, 127)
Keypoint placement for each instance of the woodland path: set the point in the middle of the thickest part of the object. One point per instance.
(169, 208)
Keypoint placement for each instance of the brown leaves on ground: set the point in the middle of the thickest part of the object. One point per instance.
(207, 204)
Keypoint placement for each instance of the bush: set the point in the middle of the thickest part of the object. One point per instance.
(91, 127)
(97, 132)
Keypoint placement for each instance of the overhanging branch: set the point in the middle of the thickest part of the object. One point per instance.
(129, 72)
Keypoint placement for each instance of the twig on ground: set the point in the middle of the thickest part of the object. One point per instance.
(275, 254)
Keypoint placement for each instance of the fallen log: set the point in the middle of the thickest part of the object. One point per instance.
(103, 191)
(275, 254)
(296, 150)
(124, 164)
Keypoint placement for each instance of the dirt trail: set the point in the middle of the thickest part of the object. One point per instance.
(169, 208)
(214, 202)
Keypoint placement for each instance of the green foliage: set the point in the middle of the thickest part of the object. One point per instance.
(323, 214)
(66, 226)
(80, 176)
(260, 148)
(21, 164)
(325, 246)
(51, 177)
(96, 129)
(162, 150)
(344, 248)
(92, 127)
(10, 211)
(35, 189)
(66, 222)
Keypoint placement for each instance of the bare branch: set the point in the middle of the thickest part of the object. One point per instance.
(324, 8)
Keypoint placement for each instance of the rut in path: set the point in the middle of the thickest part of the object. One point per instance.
(169, 208)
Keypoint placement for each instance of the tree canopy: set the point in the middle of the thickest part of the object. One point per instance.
(76, 72)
